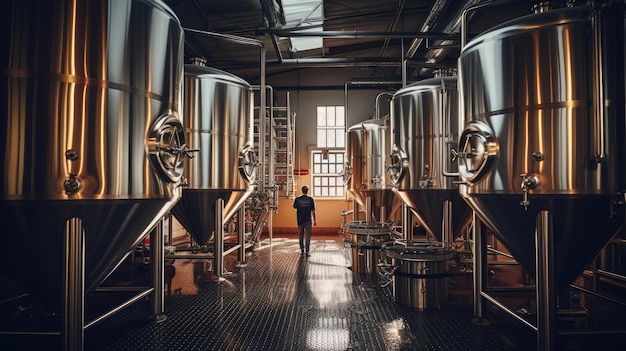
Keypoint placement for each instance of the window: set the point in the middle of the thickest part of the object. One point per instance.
(331, 127)
(328, 158)
(326, 177)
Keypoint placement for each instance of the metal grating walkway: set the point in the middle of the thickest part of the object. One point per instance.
(282, 301)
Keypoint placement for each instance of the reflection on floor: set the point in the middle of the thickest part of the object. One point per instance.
(282, 301)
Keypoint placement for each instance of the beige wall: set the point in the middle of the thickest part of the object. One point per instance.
(361, 106)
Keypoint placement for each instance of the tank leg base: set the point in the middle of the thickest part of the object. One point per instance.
(160, 318)
(480, 321)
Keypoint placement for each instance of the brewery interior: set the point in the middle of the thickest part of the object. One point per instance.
(467, 159)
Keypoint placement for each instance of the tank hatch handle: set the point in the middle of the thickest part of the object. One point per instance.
(478, 151)
(166, 147)
(398, 166)
(248, 163)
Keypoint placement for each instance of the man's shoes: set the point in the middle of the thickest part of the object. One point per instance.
(302, 254)
(308, 254)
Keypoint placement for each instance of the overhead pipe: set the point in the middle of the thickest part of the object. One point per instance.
(435, 11)
(392, 25)
(366, 82)
(384, 93)
(473, 8)
(353, 34)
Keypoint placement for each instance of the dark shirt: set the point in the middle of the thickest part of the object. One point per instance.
(304, 205)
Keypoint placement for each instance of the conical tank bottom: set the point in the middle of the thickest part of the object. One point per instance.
(196, 210)
(582, 226)
(34, 236)
(381, 198)
(427, 204)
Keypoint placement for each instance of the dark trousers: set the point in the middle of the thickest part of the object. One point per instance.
(305, 241)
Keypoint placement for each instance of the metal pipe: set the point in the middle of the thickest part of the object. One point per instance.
(74, 285)
(157, 260)
(218, 261)
(407, 222)
(479, 273)
(241, 235)
(368, 209)
(447, 232)
(359, 82)
(509, 312)
(355, 208)
(472, 9)
(598, 82)
(387, 93)
(120, 307)
(444, 115)
(436, 10)
(544, 278)
(354, 34)
(591, 292)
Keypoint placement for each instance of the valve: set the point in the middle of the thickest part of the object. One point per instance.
(71, 184)
(426, 181)
(529, 181)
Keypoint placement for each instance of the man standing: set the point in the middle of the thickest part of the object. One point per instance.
(305, 211)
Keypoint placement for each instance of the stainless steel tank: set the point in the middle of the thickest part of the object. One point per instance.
(367, 240)
(368, 149)
(218, 112)
(543, 99)
(425, 124)
(89, 101)
(421, 273)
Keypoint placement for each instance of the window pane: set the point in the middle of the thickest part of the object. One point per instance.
(331, 158)
(324, 168)
(332, 181)
(332, 169)
(339, 191)
(321, 138)
(339, 168)
(316, 181)
(324, 191)
(332, 192)
(321, 116)
(340, 139)
(317, 168)
(330, 138)
(340, 158)
(316, 192)
(340, 116)
(324, 181)
(330, 118)
(317, 157)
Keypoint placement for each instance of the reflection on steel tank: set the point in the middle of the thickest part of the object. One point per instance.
(218, 112)
(425, 124)
(543, 98)
(89, 104)
(367, 150)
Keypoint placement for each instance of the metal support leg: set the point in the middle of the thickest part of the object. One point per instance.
(480, 271)
(218, 264)
(355, 208)
(407, 222)
(241, 232)
(368, 209)
(544, 273)
(157, 263)
(74, 286)
(447, 235)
